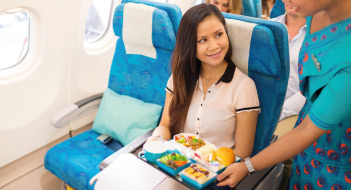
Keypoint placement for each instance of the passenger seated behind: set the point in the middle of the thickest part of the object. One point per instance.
(227, 6)
(267, 6)
(296, 26)
(206, 94)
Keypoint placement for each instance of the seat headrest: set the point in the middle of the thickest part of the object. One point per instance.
(172, 10)
(261, 50)
(254, 48)
(140, 26)
(252, 8)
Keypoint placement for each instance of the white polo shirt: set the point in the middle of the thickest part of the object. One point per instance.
(213, 118)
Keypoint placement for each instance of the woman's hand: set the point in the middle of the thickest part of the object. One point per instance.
(152, 138)
(232, 175)
(155, 138)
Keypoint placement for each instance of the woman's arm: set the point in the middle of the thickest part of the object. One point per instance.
(245, 129)
(163, 128)
(289, 145)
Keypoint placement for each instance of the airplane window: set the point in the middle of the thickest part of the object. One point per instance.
(97, 21)
(14, 31)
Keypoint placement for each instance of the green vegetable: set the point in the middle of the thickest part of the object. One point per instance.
(182, 140)
(173, 157)
(183, 158)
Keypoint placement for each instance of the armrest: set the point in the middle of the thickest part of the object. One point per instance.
(252, 181)
(73, 111)
(130, 148)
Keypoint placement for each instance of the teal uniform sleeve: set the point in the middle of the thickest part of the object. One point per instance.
(334, 102)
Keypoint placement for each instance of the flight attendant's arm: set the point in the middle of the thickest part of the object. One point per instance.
(289, 145)
(328, 110)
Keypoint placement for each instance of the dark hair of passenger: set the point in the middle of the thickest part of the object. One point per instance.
(185, 65)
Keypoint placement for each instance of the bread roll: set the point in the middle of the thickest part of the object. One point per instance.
(225, 156)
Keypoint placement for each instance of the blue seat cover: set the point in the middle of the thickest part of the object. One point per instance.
(278, 9)
(139, 76)
(268, 66)
(76, 160)
(252, 8)
(173, 11)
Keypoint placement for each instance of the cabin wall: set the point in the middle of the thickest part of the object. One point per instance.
(58, 71)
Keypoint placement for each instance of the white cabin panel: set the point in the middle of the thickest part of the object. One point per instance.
(60, 72)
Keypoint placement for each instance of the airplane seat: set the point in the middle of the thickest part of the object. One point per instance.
(252, 8)
(278, 9)
(173, 11)
(260, 50)
(140, 69)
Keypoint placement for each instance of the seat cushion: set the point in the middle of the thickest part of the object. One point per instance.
(125, 118)
(77, 159)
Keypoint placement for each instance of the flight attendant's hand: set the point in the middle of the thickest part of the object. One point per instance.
(233, 174)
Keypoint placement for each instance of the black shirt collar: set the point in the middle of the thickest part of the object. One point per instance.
(228, 74)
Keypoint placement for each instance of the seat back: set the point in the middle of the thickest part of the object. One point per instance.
(252, 8)
(260, 49)
(258, 6)
(140, 66)
(278, 9)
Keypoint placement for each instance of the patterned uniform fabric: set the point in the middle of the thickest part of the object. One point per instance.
(325, 78)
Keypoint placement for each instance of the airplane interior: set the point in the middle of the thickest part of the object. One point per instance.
(73, 71)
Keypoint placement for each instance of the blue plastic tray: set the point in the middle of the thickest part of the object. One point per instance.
(195, 184)
(170, 170)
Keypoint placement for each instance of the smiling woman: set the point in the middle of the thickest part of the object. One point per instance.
(206, 94)
(212, 46)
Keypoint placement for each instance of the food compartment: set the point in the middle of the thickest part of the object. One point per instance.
(190, 141)
(173, 163)
(198, 176)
